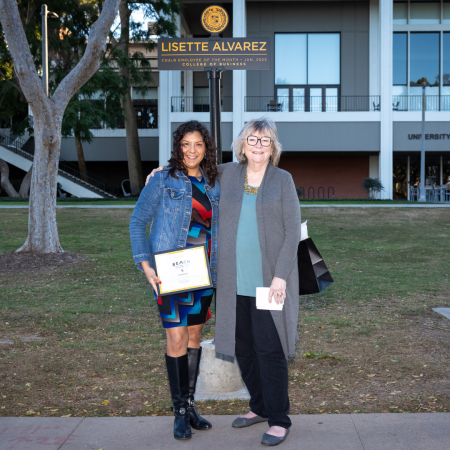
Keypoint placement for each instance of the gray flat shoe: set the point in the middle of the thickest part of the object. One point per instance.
(271, 440)
(242, 422)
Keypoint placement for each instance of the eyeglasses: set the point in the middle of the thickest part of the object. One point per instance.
(253, 140)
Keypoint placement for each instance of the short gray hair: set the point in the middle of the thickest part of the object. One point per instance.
(263, 124)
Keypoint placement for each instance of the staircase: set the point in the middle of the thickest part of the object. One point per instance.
(20, 153)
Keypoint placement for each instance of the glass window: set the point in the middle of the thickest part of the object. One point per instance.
(331, 99)
(315, 99)
(400, 98)
(146, 108)
(446, 18)
(201, 100)
(324, 58)
(400, 52)
(290, 58)
(298, 99)
(150, 94)
(446, 62)
(425, 12)
(424, 54)
(282, 99)
(400, 13)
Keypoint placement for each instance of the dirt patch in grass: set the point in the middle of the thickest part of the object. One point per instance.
(18, 263)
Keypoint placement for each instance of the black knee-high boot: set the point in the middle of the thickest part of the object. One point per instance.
(178, 372)
(197, 422)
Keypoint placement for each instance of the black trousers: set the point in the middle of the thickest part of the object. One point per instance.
(262, 362)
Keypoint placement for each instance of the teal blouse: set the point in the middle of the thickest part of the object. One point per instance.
(248, 250)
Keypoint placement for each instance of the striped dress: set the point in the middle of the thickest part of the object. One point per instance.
(192, 308)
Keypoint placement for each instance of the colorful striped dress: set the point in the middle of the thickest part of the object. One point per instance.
(192, 308)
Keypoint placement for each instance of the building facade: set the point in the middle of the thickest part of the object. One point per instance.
(344, 89)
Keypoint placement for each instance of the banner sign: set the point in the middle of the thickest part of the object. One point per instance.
(228, 53)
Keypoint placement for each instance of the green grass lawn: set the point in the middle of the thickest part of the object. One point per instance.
(85, 339)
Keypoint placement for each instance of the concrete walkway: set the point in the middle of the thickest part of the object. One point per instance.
(418, 431)
(303, 205)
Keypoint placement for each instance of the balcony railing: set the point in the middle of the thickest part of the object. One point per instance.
(313, 104)
(414, 103)
(199, 104)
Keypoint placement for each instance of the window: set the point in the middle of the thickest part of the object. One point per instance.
(400, 13)
(446, 17)
(424, 56)
(146, 108)
(424, 67)
(289, 69)
(316, 59)
(307, 72)
(445, 102)
(400, 75)
(425, 12)
(201, 100)
(400, 58)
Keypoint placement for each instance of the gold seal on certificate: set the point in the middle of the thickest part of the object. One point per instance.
(182, 270)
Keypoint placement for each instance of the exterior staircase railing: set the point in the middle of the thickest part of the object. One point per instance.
(66, 169)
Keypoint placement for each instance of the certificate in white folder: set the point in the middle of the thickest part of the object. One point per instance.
(262, 300)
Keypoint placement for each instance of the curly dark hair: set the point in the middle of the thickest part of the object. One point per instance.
(208, 165)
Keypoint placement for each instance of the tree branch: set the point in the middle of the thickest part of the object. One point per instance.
(20, 52)
(30, 13)
(90, 62)
(4, 180)
(3, 75)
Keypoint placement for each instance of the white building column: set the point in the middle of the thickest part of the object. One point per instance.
(386, 126)
(164, 110)
(239, 76)
(169, 86)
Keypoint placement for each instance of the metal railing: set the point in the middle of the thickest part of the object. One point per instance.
(66, 169)
(313, 104)
(199, 104)
(414, 102)
(301, 193)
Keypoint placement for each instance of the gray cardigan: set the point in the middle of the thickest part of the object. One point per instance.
(278, 215)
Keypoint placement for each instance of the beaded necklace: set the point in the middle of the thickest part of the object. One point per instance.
(249, 189)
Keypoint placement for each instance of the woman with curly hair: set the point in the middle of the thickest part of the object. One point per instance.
(259, 236)
(182, 203)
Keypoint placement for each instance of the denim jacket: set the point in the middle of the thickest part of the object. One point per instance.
(167, 203)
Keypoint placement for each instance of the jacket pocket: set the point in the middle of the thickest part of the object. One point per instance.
(173, 199)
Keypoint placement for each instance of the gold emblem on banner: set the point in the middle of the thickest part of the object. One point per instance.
(214, 19)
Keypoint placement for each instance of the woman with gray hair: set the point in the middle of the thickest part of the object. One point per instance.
(258, 240)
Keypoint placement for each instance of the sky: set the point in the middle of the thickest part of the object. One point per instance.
(137, 16)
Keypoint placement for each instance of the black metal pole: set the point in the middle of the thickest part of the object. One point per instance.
(214, 76)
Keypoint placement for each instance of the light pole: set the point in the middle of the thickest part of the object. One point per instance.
(45, 13)
(422, 187)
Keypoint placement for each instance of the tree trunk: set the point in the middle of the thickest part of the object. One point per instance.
(6, 184)
(48, 112)
(26, 183)
(133, 150)
(81, 160)
(42, 229)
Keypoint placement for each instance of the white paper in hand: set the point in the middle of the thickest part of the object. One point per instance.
(304, 230)
(262, 300)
